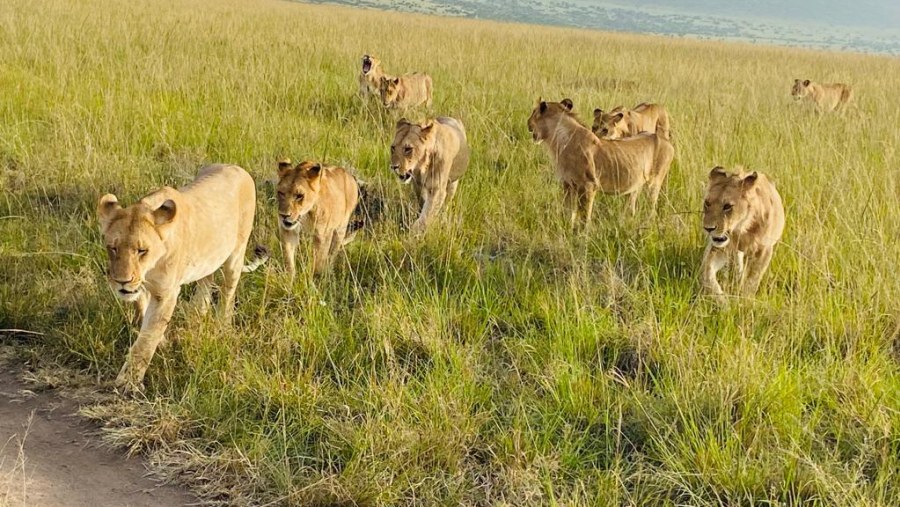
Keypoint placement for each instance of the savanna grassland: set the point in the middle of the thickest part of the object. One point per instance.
(501, 360)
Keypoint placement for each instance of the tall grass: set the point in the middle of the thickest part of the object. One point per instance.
(501, 360)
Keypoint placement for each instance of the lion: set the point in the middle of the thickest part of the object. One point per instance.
(170, 238)
(744, 218)
(370, 77)
(827, 97)
(407, 91)
(621, 122)
(433, 156)
(318, 200)
(585, 163)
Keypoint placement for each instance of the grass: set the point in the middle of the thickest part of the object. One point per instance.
(501, 360)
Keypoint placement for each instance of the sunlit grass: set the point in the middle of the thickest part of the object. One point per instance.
(500, 360)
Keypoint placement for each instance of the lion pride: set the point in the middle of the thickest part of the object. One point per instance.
(170, 238)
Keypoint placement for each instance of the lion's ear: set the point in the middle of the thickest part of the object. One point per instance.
(165, 213)
(106, 209)
(806, 82)
(796, 81)
(402, 122)
(598, 112)
(717, 172)
(313, 171)
(427, 128)
(568, 104)
(283, 167)
(749, 180)
(618, 116)
(543, 106)
(396, 80)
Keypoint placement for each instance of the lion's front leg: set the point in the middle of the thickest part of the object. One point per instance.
(713, 261)
(153, 329)
(434, 200)
(321, 250)
(289, 242)
(140, 307)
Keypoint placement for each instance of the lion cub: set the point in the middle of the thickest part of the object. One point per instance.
(407, 91)
(744, 219)
(433, 156)
(370, 76)
(319, 201)
(827, 97)
(620, 122)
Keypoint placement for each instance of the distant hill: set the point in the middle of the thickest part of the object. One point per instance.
(864, 25)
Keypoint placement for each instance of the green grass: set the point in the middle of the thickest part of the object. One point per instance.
(501, 360)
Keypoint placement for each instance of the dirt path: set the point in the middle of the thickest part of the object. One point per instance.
(47, 461)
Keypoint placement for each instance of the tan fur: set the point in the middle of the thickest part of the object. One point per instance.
(370, 81)
(586, 164)
(433, 156)
(827, 97)
(406, 91)
(621, 122)
(173, 237)
(318, 200)
(744, 219)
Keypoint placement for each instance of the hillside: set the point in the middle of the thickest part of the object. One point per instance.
(867, 26)
(502, 359)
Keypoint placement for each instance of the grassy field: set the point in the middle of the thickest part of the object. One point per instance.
(501, 360)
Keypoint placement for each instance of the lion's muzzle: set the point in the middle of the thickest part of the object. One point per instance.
(287, 223)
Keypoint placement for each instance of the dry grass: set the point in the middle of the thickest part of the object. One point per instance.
(499, 361)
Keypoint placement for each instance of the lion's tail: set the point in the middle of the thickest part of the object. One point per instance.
(260, 256)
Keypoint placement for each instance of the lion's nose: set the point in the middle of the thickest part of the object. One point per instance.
(709, 229)
(284, 216)
(124, 282)
(395, 167)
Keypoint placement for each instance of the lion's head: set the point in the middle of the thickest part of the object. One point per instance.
(134, 240)
(610, 125)
(545, 116)
(298, 191)
(800, 88)
(727, 204)
(370, 64)
(412, 148)
(389, 88)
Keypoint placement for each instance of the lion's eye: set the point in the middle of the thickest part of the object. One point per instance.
(113, 250)
(727, 207)
(142, 252)
(298, 197)
(280, 194)
(408, 150)
(705, 204)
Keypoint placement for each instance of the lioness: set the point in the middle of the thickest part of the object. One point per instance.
(585, 163)
(320, 201)
(744, 218)
(406, 91)
(621, 122)
(170, 238)
(370, 76)
(827, 97)
(433, 156)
